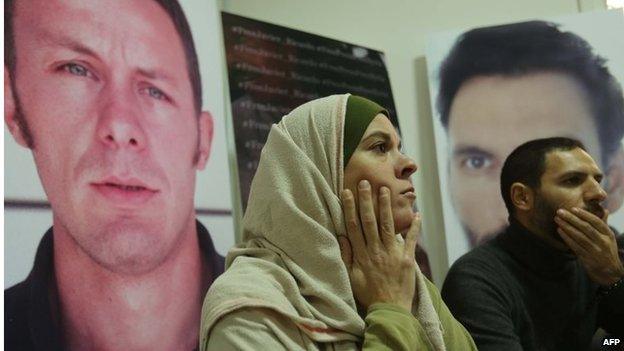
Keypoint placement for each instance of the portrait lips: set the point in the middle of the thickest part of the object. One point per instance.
(124, 192)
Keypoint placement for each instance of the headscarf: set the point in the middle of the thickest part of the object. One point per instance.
(359, 114)
(289, 260)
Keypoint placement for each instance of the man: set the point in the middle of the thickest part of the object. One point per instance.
(502, 86)
(108, 98)
(554, 275)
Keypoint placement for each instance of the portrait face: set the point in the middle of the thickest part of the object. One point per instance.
(570, 179)
(489, 117)
(378, 159)
(105, 91)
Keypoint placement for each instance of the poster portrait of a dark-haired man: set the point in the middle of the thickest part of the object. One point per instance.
(494, 88)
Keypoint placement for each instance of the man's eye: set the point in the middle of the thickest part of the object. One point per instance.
(573, 181)
(476, 162)
(76, 69)
(156, 93)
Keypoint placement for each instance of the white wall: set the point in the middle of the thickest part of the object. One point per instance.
(400, 28)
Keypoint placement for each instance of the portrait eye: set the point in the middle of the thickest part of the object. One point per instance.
(77, 70)
(156, 93)
(476, 162)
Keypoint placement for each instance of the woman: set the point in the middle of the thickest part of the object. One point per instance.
(288, 285)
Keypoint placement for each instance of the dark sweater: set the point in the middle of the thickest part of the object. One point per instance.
(517, 293)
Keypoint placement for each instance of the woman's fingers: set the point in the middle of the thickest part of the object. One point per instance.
(381, 269)
(413, 234)
(354, 233)
(345, 251)
(367, 216)
(386, 220)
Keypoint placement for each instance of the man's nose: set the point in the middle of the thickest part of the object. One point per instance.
(119, 124)
(596, 192)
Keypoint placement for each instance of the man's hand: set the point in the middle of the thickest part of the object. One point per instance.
(593, 242)
(381, 268)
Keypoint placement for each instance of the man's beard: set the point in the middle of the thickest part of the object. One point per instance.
(545, 212)
(544, 217)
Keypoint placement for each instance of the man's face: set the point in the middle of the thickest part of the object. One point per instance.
(570, 179)
(489, 117)
(378, 159)
(104, 88)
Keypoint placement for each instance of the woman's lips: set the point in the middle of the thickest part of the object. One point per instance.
(411, 194)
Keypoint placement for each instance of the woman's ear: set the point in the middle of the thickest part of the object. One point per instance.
(614, 185)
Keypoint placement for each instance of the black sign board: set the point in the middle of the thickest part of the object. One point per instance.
(273, 69)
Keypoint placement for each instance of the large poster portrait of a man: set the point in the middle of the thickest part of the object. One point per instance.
(117, 202)
(494, 88)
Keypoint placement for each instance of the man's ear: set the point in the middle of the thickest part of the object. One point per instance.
(12, 123)
(615, 181)
(206, 133)
(522, 196)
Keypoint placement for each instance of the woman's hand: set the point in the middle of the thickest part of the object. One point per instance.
(381, 268)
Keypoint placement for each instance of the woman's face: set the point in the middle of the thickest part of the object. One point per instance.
(378, 159)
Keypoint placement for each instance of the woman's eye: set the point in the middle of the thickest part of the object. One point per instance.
(380, 147)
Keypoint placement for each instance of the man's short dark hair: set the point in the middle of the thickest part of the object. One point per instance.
(527, 163)
(173, 10)
(532, 47)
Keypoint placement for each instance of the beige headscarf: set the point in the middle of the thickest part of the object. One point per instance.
(289, 260)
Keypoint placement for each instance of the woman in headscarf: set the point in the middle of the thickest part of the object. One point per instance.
(290, 285)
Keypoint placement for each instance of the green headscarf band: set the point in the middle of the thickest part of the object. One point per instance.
(360, 113)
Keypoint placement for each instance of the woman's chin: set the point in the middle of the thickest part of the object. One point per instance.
(403, 221)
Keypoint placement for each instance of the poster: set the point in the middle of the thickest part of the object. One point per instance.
(471, 151)
(273, 69)
(27, 210)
